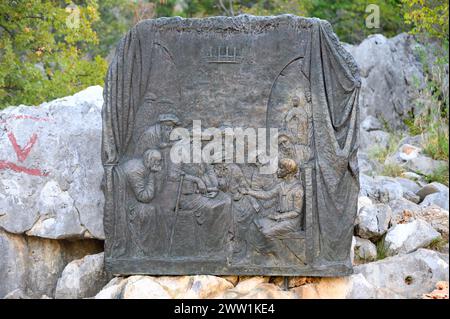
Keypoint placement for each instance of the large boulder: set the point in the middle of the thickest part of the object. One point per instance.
(440, 199)
(405, 238)
(408, 276)
(50, 168)
(373, 139)
(34, 264)
(423, 165)
(431, 188)
(165, 287)
(437, 217)
(364, 250)
(144, 287)
(257, 288)
(200, 287)
(418, 274)
(388, 188)
(408, 185)
(367, 165)
(380, 188)
(403, 210)
(261, 291)
(16, 294)
(389, 69)
(373, 221)
(13, 263)
(113, 290)
(351, 287)
(82, 278)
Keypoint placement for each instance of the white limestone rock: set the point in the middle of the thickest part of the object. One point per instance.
(405, 238)
(50, 167)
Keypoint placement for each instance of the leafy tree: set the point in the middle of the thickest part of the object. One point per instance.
(186, 8)
(274, 7)
(44, 50)
(116, 18)
(347, 16)
(428, 17)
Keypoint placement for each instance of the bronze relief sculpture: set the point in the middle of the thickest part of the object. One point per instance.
(175, 204)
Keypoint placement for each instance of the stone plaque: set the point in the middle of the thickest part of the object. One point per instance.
(229, 147)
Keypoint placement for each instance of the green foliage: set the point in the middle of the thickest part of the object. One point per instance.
(187, 9)
(438, 244)
(381, 248)
(198, 8)
(436, 144)
(432, 101)
(430, 21)
(428, 17)
(440, 175)
(116, 18)
(380, 153)
(264, 7)
(435, 134)
(348, 17)
(42, 55)
(393, 170)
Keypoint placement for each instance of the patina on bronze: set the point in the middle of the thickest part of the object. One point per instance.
(283, 72)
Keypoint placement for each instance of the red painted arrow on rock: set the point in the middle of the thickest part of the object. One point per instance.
(22, 152)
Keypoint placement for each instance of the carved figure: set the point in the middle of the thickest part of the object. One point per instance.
(284, 73)
(286, 148)
(143, 215)
(297, 125)
(157, 136)
(210, 207)
(290, 202)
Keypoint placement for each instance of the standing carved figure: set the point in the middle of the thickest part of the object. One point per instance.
(297, 125)
(243, 208)
(157, 135)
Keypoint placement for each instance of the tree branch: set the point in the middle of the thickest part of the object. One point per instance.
(231, 7)
(225, 10)
(7, 30)
(34, 17)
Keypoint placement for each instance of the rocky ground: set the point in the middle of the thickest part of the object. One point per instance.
(51, 233)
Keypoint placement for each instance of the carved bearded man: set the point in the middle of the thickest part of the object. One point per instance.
(144, 222)
(289, 194)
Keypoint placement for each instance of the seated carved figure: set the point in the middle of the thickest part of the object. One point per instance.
(209, 207)
(143, 215)
(289, 193)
